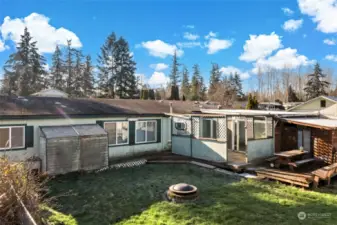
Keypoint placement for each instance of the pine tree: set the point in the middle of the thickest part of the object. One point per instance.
(57, 70)
(88, 77)
(292, 97)
(214, 79)
(238, 85)
(107, 67)
(202, 89)
(195, 83)
(316, 84)
(185, 84)
(69, 69)
(78, 74)
(174, 78)
(24, 70)
(125, 79)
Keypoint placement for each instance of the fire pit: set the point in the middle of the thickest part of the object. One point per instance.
(181, 193)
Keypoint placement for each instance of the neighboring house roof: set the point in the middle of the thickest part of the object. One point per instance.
(19, 107)
(51, 93)
(329, 98)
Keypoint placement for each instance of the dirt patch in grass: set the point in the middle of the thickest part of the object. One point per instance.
(134, 196)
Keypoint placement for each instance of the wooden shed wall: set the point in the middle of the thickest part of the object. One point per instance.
(285, 137)
(94, 152)
(323, 144)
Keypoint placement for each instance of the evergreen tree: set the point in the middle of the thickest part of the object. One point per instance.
(292, 97)
(69, 69)
(125, 79)
(174, 78)
(57, 70)
(78, 74)
(24, 70)
(185, 84)
(151, 94)
(252, 102)
(195, 83)
(316, 84)
(202, 89)
(88, 77)
(238, 85)
(214, 79)
(107, 67)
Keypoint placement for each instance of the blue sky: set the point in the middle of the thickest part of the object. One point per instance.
(239, 35)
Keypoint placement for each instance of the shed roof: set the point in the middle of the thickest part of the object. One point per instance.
(328, 124)
(72, 131)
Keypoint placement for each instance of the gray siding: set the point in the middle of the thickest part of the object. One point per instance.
(181, 145)
(209, 150)
(258, 149)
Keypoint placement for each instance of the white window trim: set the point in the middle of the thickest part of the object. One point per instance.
(212, 123)
(155, 132)
(10, 137)
(126, 143)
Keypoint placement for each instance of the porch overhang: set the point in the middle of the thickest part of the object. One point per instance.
(320, 123)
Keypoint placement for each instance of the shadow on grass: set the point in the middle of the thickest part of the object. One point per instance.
(134, 196)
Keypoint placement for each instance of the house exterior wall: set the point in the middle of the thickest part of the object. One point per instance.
(313, 105)
(181, 145)
(126, 150)
(258, 149)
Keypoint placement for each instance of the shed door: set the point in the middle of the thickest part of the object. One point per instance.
(307, 140)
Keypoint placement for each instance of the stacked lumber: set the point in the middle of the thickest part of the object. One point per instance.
(299, 179)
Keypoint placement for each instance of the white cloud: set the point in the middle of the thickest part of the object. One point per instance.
(331, 58)
(214, 45)
(161, 49)
(232, 70)
(46, 35)
(211, 34)
(287, 57)
(329, 41)
(189, 26)
(190, 44)
(190, 36)
(158, 79)
(292, 25)
(323, 12)
(260, 46)
(159, 66)
(287, 11)
(3, 47)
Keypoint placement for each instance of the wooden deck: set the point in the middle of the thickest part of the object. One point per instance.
(236, 157)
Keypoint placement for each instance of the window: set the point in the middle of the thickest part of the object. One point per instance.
(12, 137)
(209, 128)
(118, 132)
(146, 131)
(260, 130)
(323, 103)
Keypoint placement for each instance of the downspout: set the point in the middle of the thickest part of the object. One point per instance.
(191, 138)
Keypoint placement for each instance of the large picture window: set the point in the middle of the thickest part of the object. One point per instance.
(118, 132)
(146, 131)
(209, 128)
(12, 137)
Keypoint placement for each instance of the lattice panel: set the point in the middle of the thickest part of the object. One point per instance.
(269, 126)
(196, 126)
(250, 128)
(182, 132)
(221, 129)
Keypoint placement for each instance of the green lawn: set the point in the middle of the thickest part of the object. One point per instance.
(135, 196)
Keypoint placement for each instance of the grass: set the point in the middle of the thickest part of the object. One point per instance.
(135, 196)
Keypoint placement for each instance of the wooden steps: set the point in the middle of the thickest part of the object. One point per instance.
(299, 179)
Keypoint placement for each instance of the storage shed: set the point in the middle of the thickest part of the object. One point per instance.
(66, 149)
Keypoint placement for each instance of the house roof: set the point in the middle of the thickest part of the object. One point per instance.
(329, 98)
(245, 112)
(322, 123)
(34, 106)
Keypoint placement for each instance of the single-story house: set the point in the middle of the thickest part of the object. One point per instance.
(58, 130)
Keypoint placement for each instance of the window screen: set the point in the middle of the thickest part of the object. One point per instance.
(12, 137)
(118, 132)
(209, 128)
(260, 129)
(146, 131)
